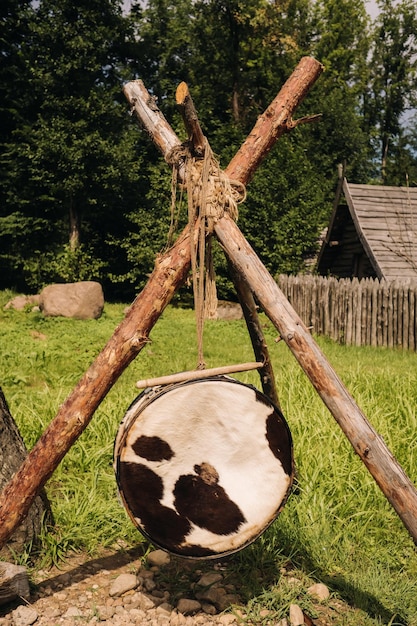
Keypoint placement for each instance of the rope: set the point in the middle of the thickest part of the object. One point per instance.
(210, 194)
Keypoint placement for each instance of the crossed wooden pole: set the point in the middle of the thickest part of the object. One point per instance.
(170, 273)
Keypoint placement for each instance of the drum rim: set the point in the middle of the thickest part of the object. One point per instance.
(158, 392)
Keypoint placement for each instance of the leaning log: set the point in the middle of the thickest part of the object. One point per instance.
(367, 443)
(132, 334)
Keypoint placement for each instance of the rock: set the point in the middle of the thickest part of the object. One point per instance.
(122, 584)
(158, 558)
(227, 619)
(164, 609)
(187, 606)
(72, 611)
(210, 609)
(209, 579)
(149, 584)
(104, 612)
(319, 591)
(229, 310)
(24, 616)
(20, 303)
(145, 602)
(216, 596)
(14, 582)
(83, 300)
(296, 615)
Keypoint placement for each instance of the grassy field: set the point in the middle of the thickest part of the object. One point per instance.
(338, 528)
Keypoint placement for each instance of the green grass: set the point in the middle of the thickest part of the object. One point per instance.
(338, 528)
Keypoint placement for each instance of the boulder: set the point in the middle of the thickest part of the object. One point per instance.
(229, 310)
(20, 303)
(83, 300)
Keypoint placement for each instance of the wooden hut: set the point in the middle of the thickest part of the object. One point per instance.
(372, 233)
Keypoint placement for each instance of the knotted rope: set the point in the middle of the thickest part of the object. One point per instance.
(210, 194)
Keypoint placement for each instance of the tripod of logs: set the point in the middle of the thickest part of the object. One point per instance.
(253, 283)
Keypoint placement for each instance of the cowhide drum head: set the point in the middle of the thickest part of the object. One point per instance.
(203, 467)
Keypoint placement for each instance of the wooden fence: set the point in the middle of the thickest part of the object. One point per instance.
(356, 312)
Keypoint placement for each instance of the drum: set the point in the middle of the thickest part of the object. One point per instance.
(203, 467)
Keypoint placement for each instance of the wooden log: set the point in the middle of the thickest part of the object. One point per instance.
(182, 377)
(366, 442)
(132, 334)
(276, 120)
(189, 115)
(77, 410)
(145, 107)
(260, 348)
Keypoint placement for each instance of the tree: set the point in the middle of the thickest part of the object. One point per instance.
(12, 453)
(15, 16)
(72, 167)
(341, 42)
(393, 89)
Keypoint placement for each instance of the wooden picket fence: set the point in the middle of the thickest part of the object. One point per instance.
(356, 312)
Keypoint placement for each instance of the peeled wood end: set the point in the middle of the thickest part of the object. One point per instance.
(182, 93)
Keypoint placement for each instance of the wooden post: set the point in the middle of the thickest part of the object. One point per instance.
(132, 334)
(260, 348)
(189, 115)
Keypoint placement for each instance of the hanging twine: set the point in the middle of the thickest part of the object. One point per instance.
(210, 194)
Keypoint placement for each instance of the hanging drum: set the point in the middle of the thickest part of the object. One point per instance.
(203, 467)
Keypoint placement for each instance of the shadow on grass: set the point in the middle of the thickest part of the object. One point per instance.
(259, 567)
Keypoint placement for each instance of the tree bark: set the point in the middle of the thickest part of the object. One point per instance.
(12, 453)
(390, 477)
(170, 272)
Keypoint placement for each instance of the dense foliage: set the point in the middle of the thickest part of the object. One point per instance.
(84, 194)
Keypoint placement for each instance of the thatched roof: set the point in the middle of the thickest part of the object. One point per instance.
(376, 223)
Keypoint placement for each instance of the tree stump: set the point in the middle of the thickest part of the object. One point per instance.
(12, 453)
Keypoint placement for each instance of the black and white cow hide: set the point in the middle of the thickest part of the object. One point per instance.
(203, 467)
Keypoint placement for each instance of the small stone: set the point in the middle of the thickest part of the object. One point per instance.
(145, 602)
(164, 609)
(24, 616)
(52, 611)
(136, 615)
(227, 619)
(60, 595)
(209, 579)
(210, 609)
(105, 612)
(149, 584)
(186, 606)
(122, 584)
(214, 595)
(158, 558)
(264, 612)
(296, 615)
(283, 622)
(72, 611)
(319, 591)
